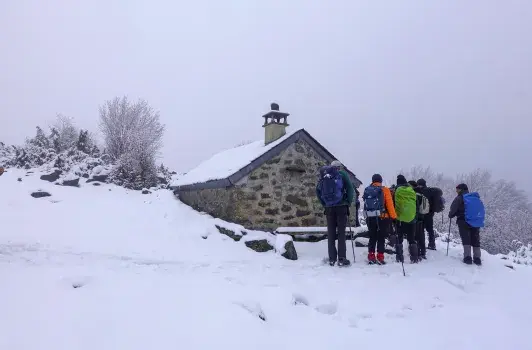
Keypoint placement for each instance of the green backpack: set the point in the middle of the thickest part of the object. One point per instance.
(405, 203)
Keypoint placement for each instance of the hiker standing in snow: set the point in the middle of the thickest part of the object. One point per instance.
(406, 209)
(335, 192)
(469, 212)
(423, 208)
(357, 207)
(436, 203)
(379, 211)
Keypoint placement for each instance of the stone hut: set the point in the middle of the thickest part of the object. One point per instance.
(262, 185)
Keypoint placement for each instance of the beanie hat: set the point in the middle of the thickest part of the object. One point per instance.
(401, 180)
(376, 178)
(412, 183)
(462, 187)
(336, 163)
(422, 182)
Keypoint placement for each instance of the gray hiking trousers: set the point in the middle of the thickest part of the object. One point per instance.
(470, 238)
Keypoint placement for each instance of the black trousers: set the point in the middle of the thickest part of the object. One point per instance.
(469, 235)
(336, 223)
(357, 222)
(407, 230)
(428, 221)
(378, 229)
(420, 237)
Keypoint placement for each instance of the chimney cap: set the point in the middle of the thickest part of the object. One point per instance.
(274, 106)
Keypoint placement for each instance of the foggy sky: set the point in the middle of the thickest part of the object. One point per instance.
(384, 85)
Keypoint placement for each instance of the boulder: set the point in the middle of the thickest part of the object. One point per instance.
(52, 177)
(40, 194)
(96, 184)
(19, 179)
(86, 176)
(100, 178)
(290, 251)
(259, 245)
(229, 233)
(72, 183)
(145, 191)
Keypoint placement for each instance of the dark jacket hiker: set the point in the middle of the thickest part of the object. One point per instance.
(436, 205)
(469, 212)
(335, 192)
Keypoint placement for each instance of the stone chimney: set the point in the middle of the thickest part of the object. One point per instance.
(274, 124)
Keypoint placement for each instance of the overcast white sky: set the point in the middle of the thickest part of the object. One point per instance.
(383, 85)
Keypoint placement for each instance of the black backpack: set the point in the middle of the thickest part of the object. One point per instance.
(437, 203)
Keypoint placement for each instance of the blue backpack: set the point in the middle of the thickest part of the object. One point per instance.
(474, 209)
(373, 201)
(331, 186)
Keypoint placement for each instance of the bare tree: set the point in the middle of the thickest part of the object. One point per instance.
(133, 135)
(130, 127)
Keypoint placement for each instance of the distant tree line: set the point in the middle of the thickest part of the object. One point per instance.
(508, 210)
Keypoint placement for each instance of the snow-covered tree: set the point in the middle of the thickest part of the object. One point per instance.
(133, 138)
(64, 133)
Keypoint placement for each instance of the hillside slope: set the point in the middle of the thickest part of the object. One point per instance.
(100, 267)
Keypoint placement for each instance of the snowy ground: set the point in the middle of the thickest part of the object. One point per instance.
(106, 268)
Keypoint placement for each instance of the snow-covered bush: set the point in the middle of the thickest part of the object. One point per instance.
(133, 138)
(521, 254)
(508, 212)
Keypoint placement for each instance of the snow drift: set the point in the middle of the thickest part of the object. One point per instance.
(103, 267)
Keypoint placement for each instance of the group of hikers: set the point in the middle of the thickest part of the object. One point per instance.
(405, 210)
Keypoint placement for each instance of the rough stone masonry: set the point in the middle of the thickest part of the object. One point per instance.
(279, 193)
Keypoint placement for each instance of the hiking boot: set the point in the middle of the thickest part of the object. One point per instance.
(413, 251)
(422, 257)
(468, 260)
(371, 258)
(343, 262)
(332, 262)
(432, 246)
(399, 256)
(477, 261)
(380, 258)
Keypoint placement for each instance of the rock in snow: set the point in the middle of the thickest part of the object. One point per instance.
(52, 177)
(259, 245)
(40, 194)
(100, 178)
(284, 244)
(73, 183)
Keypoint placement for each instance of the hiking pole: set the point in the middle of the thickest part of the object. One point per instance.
(396, 245)
(449, 237)
(352, 239)
(396, 233)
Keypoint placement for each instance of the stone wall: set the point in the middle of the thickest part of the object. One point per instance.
(216, 202)
(282, 192)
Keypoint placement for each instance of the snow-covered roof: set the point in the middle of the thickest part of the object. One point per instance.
(228, 162)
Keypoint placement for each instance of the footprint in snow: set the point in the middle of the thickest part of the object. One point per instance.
(327, 309)
(253, 308)
(406, 307)
(395, 314)
(298, 299)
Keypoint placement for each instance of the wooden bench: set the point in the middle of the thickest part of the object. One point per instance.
(318, 233)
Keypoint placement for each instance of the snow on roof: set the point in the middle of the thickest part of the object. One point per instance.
(228, 162)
